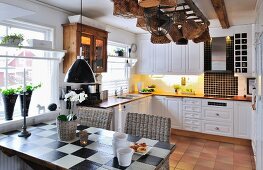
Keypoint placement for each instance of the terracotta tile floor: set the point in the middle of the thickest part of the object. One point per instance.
(200, 154)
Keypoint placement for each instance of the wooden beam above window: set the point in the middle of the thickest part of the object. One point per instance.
(220, 9)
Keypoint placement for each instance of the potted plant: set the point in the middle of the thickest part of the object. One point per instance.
(29, 90)
(9, 99)
(120, 52)
(13, 39)
(67, 123)
(177, 88)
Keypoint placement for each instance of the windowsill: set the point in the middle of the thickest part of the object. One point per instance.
(17, 122)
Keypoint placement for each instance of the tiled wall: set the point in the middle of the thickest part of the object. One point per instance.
(223, 84)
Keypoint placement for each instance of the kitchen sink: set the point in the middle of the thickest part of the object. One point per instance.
(128, 96)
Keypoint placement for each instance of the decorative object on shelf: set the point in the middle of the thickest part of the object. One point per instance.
(83, 138)
(251, 84)
(80, 71)
(120, 52)
(13, 39)
(52, 107)
(67, 124)
(183, 81)
(41, 108)
(177, 87)
(178, 21)
(27, 95)
(9, 97)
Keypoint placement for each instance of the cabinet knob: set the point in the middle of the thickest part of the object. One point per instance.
(217, 128)
(217, 114)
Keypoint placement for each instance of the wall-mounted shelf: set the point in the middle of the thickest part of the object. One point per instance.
(121, 59)
(7, 51)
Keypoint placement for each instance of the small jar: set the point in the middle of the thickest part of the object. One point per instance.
(83, 138)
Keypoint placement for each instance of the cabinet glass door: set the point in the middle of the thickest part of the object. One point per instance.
(86, 42)
(99, 58)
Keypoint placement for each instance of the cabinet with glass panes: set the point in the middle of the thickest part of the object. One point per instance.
(241, 53)
(93, 42)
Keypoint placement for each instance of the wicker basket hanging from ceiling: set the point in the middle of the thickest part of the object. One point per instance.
(141, 23)
(179, 17)
(168, 3)
(192, 30)
(148, 3)
(121, 8)
(175, 33)
(136, 10)
(204, 37)
(155, 39)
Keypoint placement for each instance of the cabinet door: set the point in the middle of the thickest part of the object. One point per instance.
(177, 59)
(87, 47)
(99, 61)
(161, 54)
(145, 57)
(174, 111)
(195, 58)
(242, 120)
(158, 106)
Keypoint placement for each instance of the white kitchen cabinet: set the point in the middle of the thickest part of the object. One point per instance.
(242, 120)
(158, 106)
(145, 57)
(169, 58)
(194, 58)
(174, 111)
(161, 56)
(177, 59)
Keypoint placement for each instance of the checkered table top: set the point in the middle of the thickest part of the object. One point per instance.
(43, 144)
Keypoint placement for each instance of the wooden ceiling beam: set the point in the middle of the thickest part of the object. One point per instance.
(220, 9)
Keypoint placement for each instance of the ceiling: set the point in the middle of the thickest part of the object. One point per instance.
(101, 10)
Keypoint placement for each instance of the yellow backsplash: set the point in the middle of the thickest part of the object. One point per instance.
(165, 83)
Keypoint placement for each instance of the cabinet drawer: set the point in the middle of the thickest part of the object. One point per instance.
(216, 128)
(194, 122)
(196, 115)
(217, 103)
(193, 128)
(217, 114)
(192, 108)
(189, 101)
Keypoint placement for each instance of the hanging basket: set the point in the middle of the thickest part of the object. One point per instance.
(175, 33)
(204, 37)
(121, 8)
(148, 3)
(171, 3)
(192, 30)
(180, 17)
(155, 39)
(136, 10)
(141, 23)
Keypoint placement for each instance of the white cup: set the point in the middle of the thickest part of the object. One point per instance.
(118, 136)
(118, 144)
(124, 156)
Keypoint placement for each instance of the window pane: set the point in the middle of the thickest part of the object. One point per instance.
(2, 31)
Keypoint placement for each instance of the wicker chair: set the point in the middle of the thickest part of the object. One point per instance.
(148, 126)
(95, 117)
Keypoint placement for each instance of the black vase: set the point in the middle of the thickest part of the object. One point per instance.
(28, 99)
(9, 105)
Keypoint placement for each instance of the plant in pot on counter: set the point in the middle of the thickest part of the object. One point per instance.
(177, 88)
(120, 52)
(29, 90)
(66, 123)
(13, 39)
(9, 96)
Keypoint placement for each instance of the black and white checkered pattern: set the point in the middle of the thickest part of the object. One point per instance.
(98, 154)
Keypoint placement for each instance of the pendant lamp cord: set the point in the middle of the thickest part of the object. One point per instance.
(80, 27)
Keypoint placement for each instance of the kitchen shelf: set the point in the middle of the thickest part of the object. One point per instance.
(120, 59)
(26, 52)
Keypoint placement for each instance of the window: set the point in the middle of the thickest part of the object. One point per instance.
(37, 71)
(117, 75)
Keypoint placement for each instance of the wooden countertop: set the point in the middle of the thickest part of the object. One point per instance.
(235, 98)
(114, 101)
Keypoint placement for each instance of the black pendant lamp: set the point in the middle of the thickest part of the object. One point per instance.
(80, 71)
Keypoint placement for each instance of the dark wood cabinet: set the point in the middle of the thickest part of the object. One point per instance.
(94, 46)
